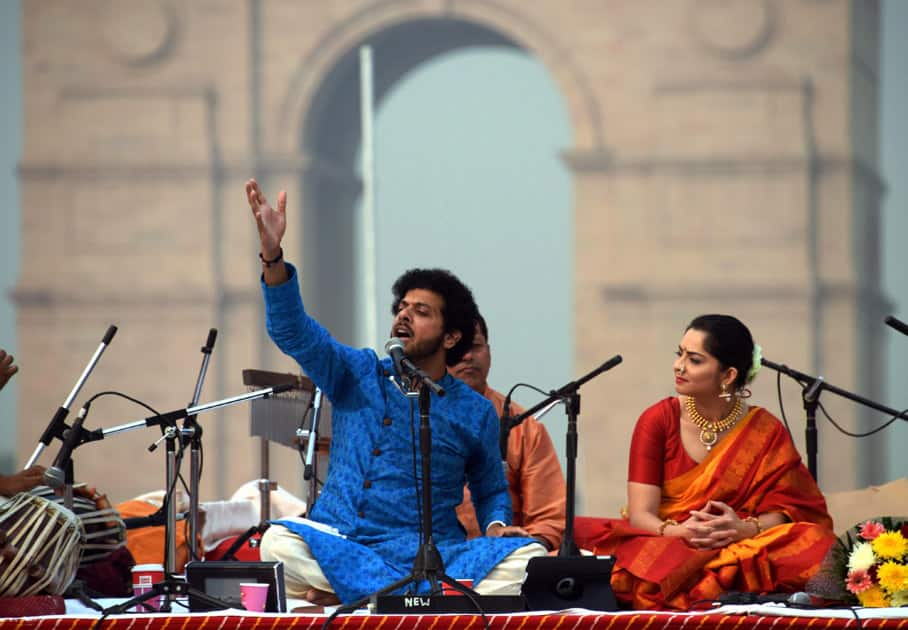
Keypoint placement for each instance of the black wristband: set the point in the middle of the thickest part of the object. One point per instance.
(278, 258)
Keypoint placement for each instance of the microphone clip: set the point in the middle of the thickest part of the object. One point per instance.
(404, 385)
(411, 376)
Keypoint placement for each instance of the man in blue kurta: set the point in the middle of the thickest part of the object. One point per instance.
(363, 533)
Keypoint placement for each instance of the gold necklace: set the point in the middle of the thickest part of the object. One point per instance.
(710, 429)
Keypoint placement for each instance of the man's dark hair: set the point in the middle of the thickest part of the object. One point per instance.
(481, 322)
(729, 341)
(458, 310)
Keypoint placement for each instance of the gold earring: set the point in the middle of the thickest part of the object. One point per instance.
(725, 395)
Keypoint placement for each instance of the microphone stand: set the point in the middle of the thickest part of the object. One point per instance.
(193, 431)
(310, 462)
(57, 424)
(813, 386)
(310, 474)
(428, 565)
(171, 585)
(570, 395)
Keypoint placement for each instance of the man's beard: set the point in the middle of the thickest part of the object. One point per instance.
(417, 351)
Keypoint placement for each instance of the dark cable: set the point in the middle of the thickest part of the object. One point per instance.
(782, 404)
(840, 428)
(859, 435)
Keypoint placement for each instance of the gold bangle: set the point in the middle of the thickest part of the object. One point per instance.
(755, 521)
(666, 523)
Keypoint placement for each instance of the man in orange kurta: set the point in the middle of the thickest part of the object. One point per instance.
(535, 480)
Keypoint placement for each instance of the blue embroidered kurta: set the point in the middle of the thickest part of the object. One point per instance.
(370, 495)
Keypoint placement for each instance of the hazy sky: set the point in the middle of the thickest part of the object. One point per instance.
(10, 149)
(500, 204)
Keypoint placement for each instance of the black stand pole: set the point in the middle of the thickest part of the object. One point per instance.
(570, 394)
(810, 395)
(193, 432)
(812, 388)
(568, 546)
(428, 565)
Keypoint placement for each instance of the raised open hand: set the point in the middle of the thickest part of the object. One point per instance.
(271, 222)
(7, 368)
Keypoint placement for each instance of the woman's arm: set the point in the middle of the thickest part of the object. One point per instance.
(643, 512)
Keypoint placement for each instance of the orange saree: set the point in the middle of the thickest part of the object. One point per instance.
(755, 469)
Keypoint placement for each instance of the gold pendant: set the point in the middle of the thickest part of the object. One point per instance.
(708, 438)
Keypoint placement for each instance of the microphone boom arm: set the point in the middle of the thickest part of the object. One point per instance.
(807, 380)
(57, 424)
(566, 390)
(172, 416)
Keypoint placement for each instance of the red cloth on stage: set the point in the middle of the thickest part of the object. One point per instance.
(246, 552)
(535, 480)
(755, 469)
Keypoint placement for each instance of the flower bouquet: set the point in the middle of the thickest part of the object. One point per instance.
(868, 566)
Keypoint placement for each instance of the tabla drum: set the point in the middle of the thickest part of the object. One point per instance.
(105, 531)
(40, 546)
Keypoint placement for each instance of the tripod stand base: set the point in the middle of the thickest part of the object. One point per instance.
(428, 604)
(171, 586)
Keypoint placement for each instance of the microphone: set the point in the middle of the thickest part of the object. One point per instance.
(899, 325)
(813, 392)
(209, 343)
(395, 348)
(55, 476)
(406, 369)
(789, 599)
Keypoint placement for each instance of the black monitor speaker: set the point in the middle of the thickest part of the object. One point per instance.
(222, 580)
(556, 583)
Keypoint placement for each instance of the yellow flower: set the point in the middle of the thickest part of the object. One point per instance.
(899, 599)
(873, 598)
(890, 545)
(893, 576)
(861, 558)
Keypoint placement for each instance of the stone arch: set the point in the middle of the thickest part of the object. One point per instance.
(322, 105)
(492, 23)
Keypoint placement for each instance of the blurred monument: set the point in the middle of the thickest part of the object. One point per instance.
(724, 158)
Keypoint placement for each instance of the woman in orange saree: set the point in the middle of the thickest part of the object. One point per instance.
(714, 505)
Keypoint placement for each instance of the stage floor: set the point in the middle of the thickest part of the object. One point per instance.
(770, 617)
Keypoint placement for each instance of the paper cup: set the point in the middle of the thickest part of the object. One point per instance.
(447, 589)
(253, 595)
(143, 577)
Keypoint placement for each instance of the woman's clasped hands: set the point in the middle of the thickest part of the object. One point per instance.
(715, 526)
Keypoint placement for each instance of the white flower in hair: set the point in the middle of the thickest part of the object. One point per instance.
(756, 363)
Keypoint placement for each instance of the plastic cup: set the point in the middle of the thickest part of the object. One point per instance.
(143, 577)
(253, 595)
(447, 589)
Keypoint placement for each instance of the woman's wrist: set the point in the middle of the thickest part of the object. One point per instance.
(669, 522)
(755, 522)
